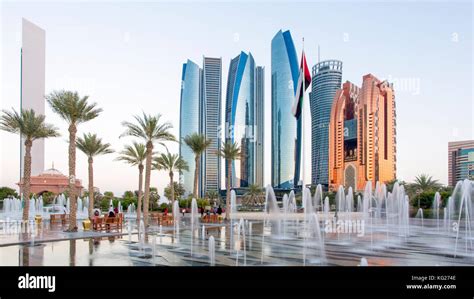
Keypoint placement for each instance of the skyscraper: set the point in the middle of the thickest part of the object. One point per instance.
(259, 124)
(189, 117)
(362, 134)
(460, 161)
(286, 130)
(241, 117)
(211, 122)
(33, 86)
(326, 80)
(200, 112)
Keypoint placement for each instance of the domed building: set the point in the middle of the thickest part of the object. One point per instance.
(50, 180)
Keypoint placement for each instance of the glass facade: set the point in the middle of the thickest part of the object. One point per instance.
(240, 117)
(259, 124)
(326, 80)
(189, 117)
(285, 128)
(211, 123)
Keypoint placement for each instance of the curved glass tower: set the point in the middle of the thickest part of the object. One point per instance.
(240, 117)
(285, 128)
(326, 80)
(189, 117)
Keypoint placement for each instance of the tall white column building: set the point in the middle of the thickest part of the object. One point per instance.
(33, 86)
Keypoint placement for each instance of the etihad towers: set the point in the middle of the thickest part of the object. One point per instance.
(244, 119)
(200, 113)
(286, 129)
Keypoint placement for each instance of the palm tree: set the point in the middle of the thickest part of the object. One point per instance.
(253, 196)
(92, 146)
(74, 110)
(171, 163)
(30, 127)
(198, 143)
(230, 151)
(424, 182)
(149, 129)
(212, 195)
(134, 155)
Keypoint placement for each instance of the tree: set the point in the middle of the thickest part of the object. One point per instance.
(134, 155)
(423, 183)
(198, 143)
(154, 198)
(213, 196)
(6, 192)
(391, 183)
(178, 190)
(230, 151)
(92, 146)
(74, 110)
(171, 163)
(31, 127)
(150, 129)
(253, 196)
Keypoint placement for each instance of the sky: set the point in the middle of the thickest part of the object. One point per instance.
(128, 58)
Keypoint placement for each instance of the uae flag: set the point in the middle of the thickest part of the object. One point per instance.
(303, 83)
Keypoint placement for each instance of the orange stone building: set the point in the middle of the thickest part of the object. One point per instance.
(362, 134)
(51, 180)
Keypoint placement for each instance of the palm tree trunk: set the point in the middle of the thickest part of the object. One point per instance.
(72, 178)
(196, 176)
(172, 188)
(227, 195)
(140, 192)
(91, 187)
(146, 201)
(26, 179)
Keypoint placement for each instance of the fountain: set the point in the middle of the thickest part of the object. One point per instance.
(363, 262)
(436, 205)
(212, 251)
(176, 218)
(240, 232)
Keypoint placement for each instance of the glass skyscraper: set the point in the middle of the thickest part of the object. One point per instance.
(286, 130)
(326, 80)
(200, 112)
(211, 123)
(189, 117)
(259, 124)
(240, 117)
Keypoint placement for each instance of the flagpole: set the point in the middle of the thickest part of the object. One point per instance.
(302, 127)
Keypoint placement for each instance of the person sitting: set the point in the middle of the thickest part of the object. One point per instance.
(116, 211)
(111, 214)
(65, 211)
(94, 219)
(219, 210)
(165, 212)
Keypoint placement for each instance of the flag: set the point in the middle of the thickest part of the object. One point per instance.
(303, 83)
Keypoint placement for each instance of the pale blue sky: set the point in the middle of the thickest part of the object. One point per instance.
(128, 58)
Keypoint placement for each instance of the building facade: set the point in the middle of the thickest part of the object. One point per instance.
(189, 117)
(200, 112)
(286, 130)
(33, 51)
(362, 134)
(50, 180)
(326, 80)
(259, 125)
(460, 161)
(211, 123)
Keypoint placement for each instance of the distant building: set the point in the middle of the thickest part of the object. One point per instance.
(50, 180)
(286, 129)
(460, 161)
(211, 123)
(189, 117)
(260, 125)
(326, 80)
(362, 134)
(244, 114)
(200, 112)
(32, 86)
